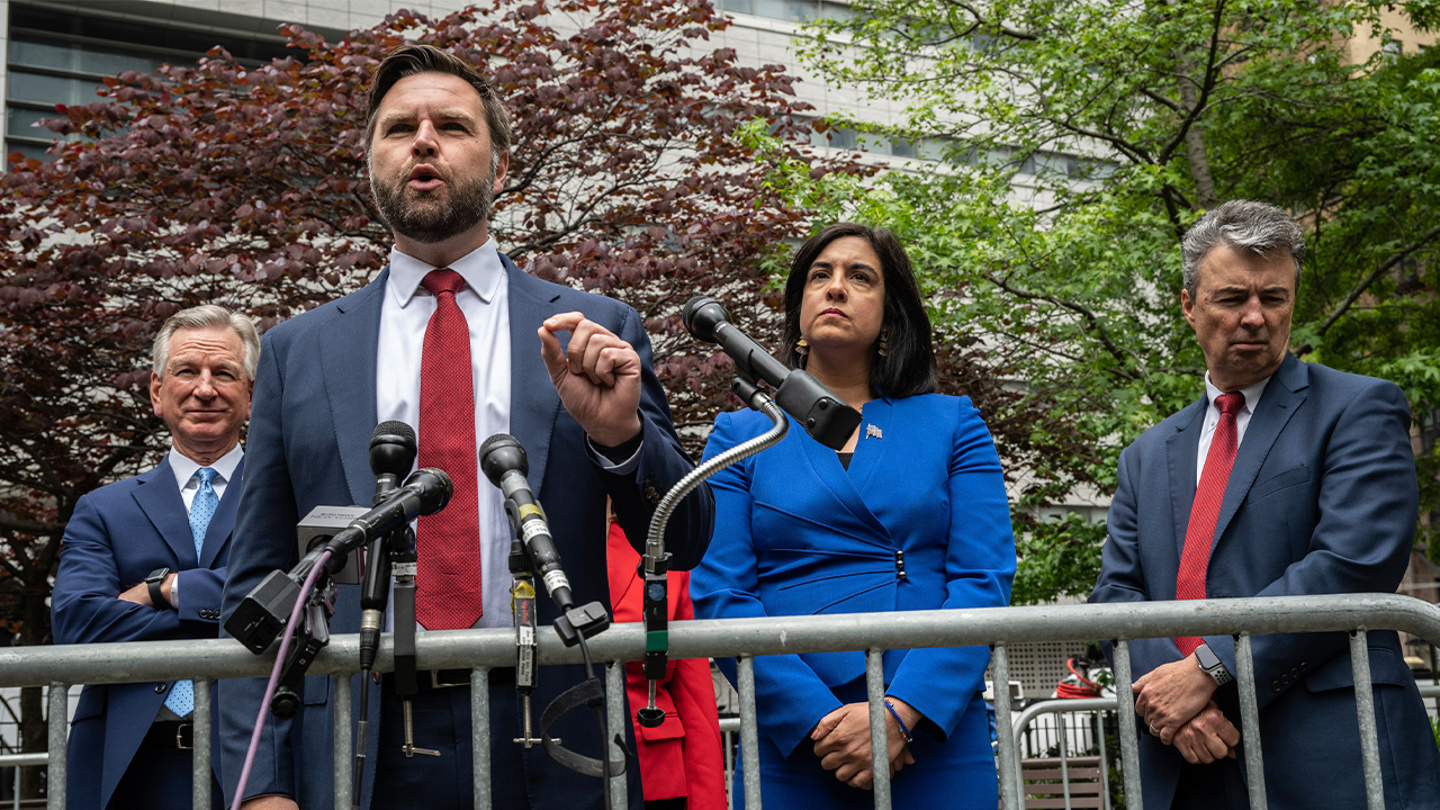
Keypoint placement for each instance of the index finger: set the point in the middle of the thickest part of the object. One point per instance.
(564, 322)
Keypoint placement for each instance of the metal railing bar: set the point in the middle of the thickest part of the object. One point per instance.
(200, 761)
(1064, 762)
(614, 723)
(1012, 792)
(1365, 708)
(1250, 721)
(749, 730)
(879, 744)
(20, 760)
(55, 783)
(223, 658)
(1104, 761)
(344, 743)
(1129, 740)
(480, 729)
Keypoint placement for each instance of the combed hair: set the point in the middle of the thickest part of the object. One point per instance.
(1243, 225)
(410, 60)
(207, 316)
(908, 368)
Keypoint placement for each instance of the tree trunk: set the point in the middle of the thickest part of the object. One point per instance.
(1195, 141)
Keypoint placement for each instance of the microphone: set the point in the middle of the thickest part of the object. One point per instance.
(425, 492)
(826, 417)
(504, 463)
(392, 454)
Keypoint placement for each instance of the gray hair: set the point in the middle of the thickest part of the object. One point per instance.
(207, 316)
(1243, 225)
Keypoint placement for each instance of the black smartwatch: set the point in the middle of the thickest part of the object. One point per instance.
(153, 581)
(1210, 664)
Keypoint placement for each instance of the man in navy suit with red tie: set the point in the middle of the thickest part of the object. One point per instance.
(455, 340)
(1286, 478)
(144, 559)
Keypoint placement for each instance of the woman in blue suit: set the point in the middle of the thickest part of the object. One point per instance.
(911, 515)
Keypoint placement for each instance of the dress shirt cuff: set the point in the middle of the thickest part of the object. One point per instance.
(628, 453)
(175, 593)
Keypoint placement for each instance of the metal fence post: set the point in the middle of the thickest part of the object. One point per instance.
(59, 708)
(1129, 739)
(1011, 791)
(879, 737)
(1064, 755)
(1365, 708)
(344, 747)
(200, 766)
(1250, 721)
(480, 735)
(749, 732)
(614, 723)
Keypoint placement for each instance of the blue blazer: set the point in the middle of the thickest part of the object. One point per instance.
(1322, 499)
(308, 445)
(117, 535)
(798, 534)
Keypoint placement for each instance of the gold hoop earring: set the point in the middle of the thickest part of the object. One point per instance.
(884, 348)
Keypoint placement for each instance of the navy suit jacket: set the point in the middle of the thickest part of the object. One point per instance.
(308, 445)
(1322, 499)
(798, 534)
(117, 535)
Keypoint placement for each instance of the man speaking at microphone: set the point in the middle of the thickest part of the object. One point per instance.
(447, 339)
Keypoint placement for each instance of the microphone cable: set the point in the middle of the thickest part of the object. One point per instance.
(290, 630)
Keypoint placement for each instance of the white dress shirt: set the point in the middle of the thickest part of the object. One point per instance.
(404, 315)
(1212, 417)
(188, 481)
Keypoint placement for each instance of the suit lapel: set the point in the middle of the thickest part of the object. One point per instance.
(224, 519)
(534, 403)
(159, 498)
(825, 463)
(1180, 454)
(1282, 397)
(347, 362)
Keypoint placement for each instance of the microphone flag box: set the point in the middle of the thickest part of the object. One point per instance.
(323, 523)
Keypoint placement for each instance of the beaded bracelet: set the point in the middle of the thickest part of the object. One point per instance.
(904, 729)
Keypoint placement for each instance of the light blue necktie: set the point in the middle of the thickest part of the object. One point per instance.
(182, 697)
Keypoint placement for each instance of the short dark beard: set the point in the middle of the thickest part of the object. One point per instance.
(428, 224)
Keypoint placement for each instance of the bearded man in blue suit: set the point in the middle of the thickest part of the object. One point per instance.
(591, 415)
(144, 559)
(1286, 478)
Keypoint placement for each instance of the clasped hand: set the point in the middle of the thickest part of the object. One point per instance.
(599, 381)
(1174, 701)
(843, 743)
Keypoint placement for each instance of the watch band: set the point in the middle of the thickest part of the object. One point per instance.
(1211, 665)
(154, 584)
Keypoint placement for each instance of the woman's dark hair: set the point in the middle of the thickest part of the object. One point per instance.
(908, 367)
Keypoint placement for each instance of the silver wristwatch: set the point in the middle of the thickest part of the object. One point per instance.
(1210, 664)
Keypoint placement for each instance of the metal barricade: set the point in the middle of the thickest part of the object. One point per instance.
(481, 650)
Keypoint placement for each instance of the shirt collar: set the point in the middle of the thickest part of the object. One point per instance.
(1252, 394)
(185, 467)
(480, 268)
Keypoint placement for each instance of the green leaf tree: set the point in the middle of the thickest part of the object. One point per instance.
(1084, 138)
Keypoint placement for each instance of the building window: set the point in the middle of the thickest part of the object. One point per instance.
(60, 57)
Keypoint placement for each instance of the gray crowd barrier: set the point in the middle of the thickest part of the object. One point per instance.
(481, 650)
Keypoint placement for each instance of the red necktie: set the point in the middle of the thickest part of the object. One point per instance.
(1200, 534)
(448, 542)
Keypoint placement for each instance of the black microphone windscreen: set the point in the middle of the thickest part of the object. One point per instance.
(392, 449)
(701, 315)
(500, 454)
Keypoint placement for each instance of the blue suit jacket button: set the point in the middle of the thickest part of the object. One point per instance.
(160, 687)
